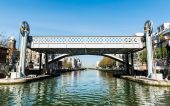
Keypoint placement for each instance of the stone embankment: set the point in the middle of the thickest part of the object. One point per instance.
(34, 77)
(23, 80)
(147, 81)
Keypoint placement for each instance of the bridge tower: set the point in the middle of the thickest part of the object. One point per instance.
(148, 34)
(24, 30)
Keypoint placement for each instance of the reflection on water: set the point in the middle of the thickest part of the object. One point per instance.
(86, 88)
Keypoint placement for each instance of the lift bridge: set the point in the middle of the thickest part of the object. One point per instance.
(80, 45)
(86, 45)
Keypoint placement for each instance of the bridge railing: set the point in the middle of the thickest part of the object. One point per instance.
(85, 39)
(119, 40)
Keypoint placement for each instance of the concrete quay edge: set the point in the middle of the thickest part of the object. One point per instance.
(147, 81)
(9, 81)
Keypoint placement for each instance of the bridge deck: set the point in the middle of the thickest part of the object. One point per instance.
(86, 44)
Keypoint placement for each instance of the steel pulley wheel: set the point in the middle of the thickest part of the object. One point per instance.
(24, 28)
(148, 27)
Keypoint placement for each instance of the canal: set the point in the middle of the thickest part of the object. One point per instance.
(83, 88)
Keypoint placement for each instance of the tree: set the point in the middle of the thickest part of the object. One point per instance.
(67, 64)
(107, 63)
(157, 53)
(164, 51)
(143, 56)
(3, 41)
(160, 52)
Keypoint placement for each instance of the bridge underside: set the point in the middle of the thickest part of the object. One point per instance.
(84, 51)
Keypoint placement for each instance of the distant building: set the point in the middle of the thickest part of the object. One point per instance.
(75, 62)
(12, 53)
(3, 54)
(32, 57)
(97, 64)
(163, 27)
(163, 31)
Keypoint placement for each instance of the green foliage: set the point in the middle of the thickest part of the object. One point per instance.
(160, 52)
(143, 56)
(69, 65)
(164, 51)
(157, 53)
(66, 64)
(107, 63)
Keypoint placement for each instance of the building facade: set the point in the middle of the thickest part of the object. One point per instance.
(12, 53)
(3, 54)
(163, 27)
(71, 62)
(32, 57)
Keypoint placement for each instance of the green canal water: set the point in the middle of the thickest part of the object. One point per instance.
(83, 88)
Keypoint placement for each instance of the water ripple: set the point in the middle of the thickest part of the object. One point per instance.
(85, 88)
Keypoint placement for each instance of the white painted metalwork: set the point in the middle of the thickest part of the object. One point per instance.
(148, 33)
(24, 30)
(101, 44)
(60, 56)
(114, 57)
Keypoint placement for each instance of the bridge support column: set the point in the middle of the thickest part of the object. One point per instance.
(132, 64)
(147, 35)
(40, 60)
(127, 64)
(46, 63)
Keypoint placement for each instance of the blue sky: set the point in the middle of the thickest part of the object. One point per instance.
(82, 17)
